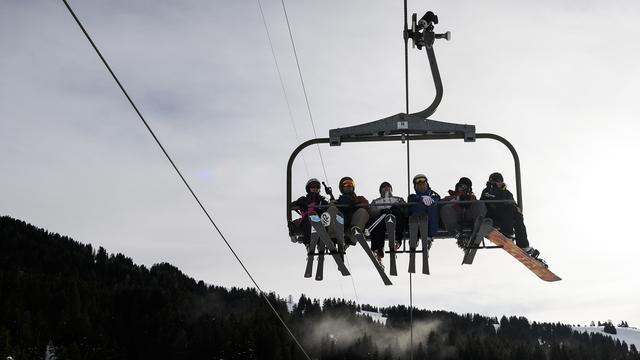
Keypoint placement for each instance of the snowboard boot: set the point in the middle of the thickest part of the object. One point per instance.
(462, 240)
(531, 252)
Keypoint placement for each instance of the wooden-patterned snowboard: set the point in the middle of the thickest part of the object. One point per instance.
(532, 264)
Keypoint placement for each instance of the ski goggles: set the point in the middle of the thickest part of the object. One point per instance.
(348, 183)
(420, 180)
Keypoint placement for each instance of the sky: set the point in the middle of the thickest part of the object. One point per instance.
(558, 79)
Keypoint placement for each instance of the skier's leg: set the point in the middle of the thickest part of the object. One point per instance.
(401, 222)
(450, 215)
(332, 210)
(504, 217)
(520, 229)
(360, 218)
(434, 219)
(475, 209)
(305, 226)
(377, 238)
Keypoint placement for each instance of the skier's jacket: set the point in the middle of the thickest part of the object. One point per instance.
(384, 203)
(460, 196)
(353, 202)
(493, 192)
(420, 207)
(308, 204)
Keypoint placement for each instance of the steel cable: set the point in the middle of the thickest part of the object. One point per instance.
(284, 91)
(304, 89)
(264, 295)
(306, 98)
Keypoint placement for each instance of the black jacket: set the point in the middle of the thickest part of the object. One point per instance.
(492, 192)
(307, 204)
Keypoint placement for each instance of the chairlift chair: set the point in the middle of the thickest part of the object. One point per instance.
(403, 127)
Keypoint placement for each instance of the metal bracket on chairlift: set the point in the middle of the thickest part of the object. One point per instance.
(422, 35)
(402, 124)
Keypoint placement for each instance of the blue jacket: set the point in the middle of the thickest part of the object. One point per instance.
(421, 208)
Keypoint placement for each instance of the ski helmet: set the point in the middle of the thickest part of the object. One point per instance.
(465, 181)
(420, 178)
(496, 177)
(384, 183)
(346, 180)
(311, 181)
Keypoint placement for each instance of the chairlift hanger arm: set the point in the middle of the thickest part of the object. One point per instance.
(422, 35)
(403, 124)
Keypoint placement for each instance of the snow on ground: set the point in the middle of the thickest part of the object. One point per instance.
(376, 316)
(628, 335)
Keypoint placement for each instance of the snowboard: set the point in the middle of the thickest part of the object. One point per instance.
(536, 266)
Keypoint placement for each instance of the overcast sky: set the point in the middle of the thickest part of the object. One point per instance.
(558, 79)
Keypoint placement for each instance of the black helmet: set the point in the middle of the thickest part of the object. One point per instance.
(311, 181)
(465, 181)
(384, 183)
(344, 180)
(496, 177)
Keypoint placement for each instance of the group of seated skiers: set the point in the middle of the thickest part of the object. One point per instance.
(454, 212)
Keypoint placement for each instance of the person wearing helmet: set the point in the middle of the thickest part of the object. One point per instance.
(352, 206)
(305, 205)
(425, 201)
(507, 216)
(386, 204)
(455, 215)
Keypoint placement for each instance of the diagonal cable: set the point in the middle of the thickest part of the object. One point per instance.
(355, 292)
(306, 98)
(284, 91)
(183, 179)
(304, 89)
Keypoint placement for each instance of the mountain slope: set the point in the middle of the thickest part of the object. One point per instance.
(628, 335)
(83, 303)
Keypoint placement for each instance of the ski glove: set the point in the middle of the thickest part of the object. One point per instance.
(427, 200)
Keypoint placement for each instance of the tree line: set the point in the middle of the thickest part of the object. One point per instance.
(70, 301)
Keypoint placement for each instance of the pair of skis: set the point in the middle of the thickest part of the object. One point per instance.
(419, 223)
(320, 238)
(418, 228)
